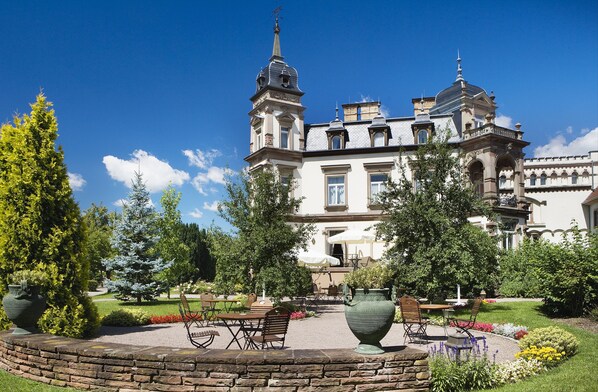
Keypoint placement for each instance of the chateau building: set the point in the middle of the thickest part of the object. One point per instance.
(341, 165)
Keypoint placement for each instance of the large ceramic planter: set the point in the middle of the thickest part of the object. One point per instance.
(24, 306)
(370, 315)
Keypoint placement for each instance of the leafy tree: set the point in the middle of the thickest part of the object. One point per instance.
(204, 264)
(262, 248)
(517, 275)
(171, 246)
(431, 242)
(568, 274)
(136, 264)
(99, 223)
(40, 223)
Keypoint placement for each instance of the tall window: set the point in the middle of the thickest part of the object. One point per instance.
(358, 113)
(422, 137)
(574, 178)
(379, 139)
(258, 138)
(284, 137)
(502, 182)
(532, 180)
(377, 185)
(336, 142)
(336, 190)
(543, 179)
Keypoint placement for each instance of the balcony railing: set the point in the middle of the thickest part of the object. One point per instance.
(494, 129)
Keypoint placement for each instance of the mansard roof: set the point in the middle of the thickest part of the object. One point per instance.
(359, 135)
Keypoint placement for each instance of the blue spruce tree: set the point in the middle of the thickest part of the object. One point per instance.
(135, 267)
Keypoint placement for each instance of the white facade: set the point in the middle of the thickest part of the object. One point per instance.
(339, 166)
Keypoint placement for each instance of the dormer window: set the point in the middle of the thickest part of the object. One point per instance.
(261, 81)
(379, 139)
(422, 136)
(285, 78)
(335, 142)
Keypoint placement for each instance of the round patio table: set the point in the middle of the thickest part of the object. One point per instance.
(446, 310)
(230, 319)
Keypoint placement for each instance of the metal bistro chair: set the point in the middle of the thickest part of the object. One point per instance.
(464, 325)
(200, 339)
(274, 329)
(193, 317)
(413, 323)
(207, 308)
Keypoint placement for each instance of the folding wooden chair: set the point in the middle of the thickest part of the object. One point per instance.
(207, 308)
(274, 329)
(413, 323)
(464, 325)
(200, 339)
(196, 318)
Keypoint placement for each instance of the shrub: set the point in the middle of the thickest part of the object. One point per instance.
(369, 278)
(201, 286)
(298, 315)
(547, 355)
(509, 372)
(33, 278)
(92, 285)
(555, 337)
(126, 318)
(517, 272)
(593, 314)
(520, 334)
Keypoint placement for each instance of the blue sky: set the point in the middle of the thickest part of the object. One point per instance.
(167, 84)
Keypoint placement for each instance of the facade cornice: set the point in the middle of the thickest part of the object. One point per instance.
(340, 217)
(274, 153)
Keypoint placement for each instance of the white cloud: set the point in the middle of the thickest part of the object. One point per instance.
(585, 130)
(157, 174)
(76, 181)
(196, 213)
(504, 121)
(120, 203)
(200, 158)
(214, 174)
(558, 146)
(210, 206)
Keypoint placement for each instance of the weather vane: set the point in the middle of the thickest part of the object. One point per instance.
(276, 12)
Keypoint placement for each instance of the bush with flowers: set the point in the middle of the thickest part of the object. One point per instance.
(509, 330)
(547, 355)
(555, 337)
(201, 286)
(166, 319)
(510, 372)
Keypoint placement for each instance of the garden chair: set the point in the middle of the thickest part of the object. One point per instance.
(464, 325)
(251, 298)
(413, 322)
(207, 308)
(196, 318)
(333, 293)
(200, 339)
(274, 329)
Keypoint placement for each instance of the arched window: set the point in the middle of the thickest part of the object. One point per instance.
(574, 177)
(502, 182)
(543, 179)
(379, 139)
(422, 136)
(336, 142)
(532, 180)
(358, 113)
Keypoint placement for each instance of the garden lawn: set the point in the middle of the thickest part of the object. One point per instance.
(576, 374)
(12, 383)
(161, 307)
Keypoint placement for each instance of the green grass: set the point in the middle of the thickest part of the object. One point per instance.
(576, 374)
(9, 382)
(161, 307)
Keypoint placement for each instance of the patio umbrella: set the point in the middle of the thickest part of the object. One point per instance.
(352, 237)
(316, 259)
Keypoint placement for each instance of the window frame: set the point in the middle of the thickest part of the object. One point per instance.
(288, 136)
(331, 171)
(422, 132)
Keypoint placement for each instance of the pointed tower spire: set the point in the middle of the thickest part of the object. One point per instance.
(459, 69)
(276, 54)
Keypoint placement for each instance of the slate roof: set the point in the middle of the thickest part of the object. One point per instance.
(359, 136)
(452, 93)
(272, 77)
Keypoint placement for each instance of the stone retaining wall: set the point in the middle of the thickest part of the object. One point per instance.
(115, 367)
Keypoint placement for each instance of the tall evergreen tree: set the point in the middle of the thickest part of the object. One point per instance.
(204, 264)
(136, 264)
(40, 223)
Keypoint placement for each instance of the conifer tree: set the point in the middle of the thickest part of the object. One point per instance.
(136, 264)
(40, 223)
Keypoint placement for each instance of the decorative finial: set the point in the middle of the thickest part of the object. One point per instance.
(276, 53)
(459, 69)
(336, 117)
(421, 104)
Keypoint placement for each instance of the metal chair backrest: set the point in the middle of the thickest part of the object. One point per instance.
(475, 309)
(185, 303)
(185, 315)
(206, 296)
(333, 291)
(251, 298)
(410, 311)
(276, 322)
